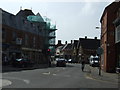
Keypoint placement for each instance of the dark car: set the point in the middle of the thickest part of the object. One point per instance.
(22, 62)
(61, 62)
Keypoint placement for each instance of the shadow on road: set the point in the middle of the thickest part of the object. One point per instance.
(17, 69)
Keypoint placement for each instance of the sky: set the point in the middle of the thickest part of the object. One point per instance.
(74, 18)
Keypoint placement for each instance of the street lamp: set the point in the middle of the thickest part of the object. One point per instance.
(99, 52)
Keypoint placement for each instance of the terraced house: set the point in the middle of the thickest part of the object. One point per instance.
(27, 35)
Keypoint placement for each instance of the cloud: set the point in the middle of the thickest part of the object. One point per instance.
(87, 9)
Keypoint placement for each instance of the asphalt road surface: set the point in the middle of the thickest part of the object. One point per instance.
(70, 76)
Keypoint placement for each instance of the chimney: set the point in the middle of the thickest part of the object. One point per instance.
(85, 37)
(71, 41)
(59, 41)
(95, 38)
(65, 42)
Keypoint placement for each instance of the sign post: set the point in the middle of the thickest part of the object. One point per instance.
(99, 52)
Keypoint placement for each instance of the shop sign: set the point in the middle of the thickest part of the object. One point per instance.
(31, 49)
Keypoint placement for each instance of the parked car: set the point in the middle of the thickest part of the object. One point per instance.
(69, 60)
(61, 62)
(94, 61)
(74, 61)
(22, 62)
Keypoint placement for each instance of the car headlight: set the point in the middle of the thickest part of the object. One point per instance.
(96, 61)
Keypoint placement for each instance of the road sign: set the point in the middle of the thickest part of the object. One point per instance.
(100, 51)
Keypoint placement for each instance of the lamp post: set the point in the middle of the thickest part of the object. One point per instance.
(99, 52)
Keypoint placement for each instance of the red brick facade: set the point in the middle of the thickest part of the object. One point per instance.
(17, 43)
(108, 61)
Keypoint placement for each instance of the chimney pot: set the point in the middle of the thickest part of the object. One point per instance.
(71, 41)
(95, 37)
(65, 42)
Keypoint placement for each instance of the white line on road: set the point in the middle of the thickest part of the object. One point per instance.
(46, 73)
(54, 74)
(26, 81)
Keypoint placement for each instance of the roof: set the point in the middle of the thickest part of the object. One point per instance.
(67, 46)
(25, 13)
(89, 43)
(75, 44)
(113, 7)
(20, 22)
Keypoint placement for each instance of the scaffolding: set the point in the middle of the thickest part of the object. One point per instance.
(33, 18)
(51, 28)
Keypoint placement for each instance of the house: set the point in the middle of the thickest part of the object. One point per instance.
(75, 51)
(87, 47)
(108, 58)
(67, 51)
(117, 39)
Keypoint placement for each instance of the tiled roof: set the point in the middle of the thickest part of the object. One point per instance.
(67, 46)
(89, 43)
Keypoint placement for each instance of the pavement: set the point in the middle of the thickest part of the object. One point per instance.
(93, 72)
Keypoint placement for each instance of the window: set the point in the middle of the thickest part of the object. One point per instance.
(118, 34)
(14, 36)
(3, 33)
(34, 42)
(26, 39)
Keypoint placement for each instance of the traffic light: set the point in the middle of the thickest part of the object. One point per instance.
(48, 51)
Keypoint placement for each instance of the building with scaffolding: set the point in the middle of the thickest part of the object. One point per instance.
(27, 35)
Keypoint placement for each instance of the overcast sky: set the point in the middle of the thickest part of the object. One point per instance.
(74, 18)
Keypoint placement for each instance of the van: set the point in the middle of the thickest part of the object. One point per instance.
(94, 61)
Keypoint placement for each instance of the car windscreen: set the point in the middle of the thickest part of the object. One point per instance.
(95, 59)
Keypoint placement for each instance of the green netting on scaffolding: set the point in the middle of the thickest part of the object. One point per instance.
(49, 24)
(53, 27)
(35, 18)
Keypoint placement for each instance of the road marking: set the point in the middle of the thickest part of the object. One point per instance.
(26, 81)
(54, 74)
(89, 77)
(46, 73)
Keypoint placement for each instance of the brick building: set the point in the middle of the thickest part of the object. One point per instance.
(117, 39)
(108, 61)
(87, 47)
(25, 34)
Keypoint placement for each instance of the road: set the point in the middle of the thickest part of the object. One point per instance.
(70, 76)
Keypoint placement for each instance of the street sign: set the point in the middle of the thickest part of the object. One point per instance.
(100, 51)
